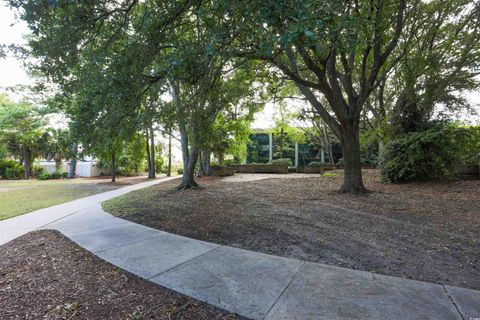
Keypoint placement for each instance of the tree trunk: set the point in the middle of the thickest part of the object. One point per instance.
(114, 169)
(26, 159)
(352, 182)
(152, 151)
(58, 164)
(73, 162)
(188, 179)
(189, 160)
(201, 168)
(169, 169)
(206, 162)
(149, 160)
(221, 158)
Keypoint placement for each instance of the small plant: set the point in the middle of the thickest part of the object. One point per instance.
(329, 175)
(180, 170)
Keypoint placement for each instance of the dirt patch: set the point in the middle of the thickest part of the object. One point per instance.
(43, 275)
(423, 231)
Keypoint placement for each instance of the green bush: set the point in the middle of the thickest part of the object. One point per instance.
(36, 171)
(14, 173)
(427, 155)
(180, 170)
(43, 176)
(282, 162)
(53, 175)
(11, 169)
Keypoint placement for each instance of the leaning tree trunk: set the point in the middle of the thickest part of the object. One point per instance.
(352, 181)
(73, 162)
(114, 169)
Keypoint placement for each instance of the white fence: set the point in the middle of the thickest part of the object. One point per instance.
(84, 168)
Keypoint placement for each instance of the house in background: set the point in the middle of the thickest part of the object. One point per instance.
(265, 147)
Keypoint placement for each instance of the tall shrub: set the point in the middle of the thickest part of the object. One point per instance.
(430, 154)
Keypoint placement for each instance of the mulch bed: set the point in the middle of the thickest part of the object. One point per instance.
(426, 231)
(43, 275)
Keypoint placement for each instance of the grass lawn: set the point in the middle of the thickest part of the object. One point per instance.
(425, 231)
(21, 196)
(46, 276)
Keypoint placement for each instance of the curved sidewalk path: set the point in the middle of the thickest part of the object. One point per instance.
(252, 284)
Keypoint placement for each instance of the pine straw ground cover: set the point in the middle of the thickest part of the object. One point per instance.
(425, 231)
(43, 275)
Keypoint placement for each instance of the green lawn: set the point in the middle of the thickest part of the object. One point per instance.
(21, 196)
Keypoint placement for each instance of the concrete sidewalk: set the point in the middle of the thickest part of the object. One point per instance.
(17, 226)
(252, 284)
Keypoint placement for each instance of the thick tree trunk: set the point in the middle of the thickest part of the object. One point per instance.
(206, 162)
(73, 162)
(152, 152)
(188, 179)
(352, 182)
(189, 160)
(114, 169)
(169, 169)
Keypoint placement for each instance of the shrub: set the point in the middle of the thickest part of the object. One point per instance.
(36, 171)
(11, 169)
(43, 176)
(180, 170)
(55, 175)
(282, 162)
(16, 172)
(426, 155)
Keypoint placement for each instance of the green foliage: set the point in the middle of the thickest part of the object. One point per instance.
(10, 169)
(429, 154)
(159, 164)
(20, 128)
(43, 176)
(52, 176)
(36, 171)
(282, 162)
